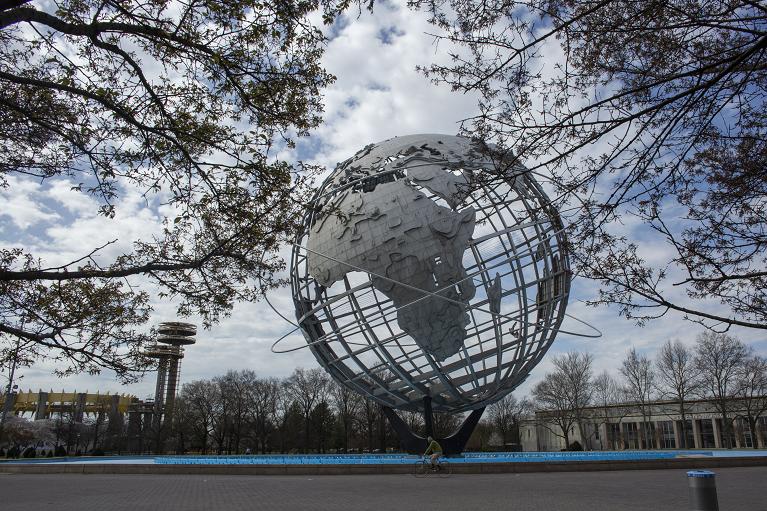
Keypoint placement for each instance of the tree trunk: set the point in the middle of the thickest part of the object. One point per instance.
(644, 427)
(370, 434)
(382, 432)
(728, 431)
(346, 434)
(586, 439)
(754, 434)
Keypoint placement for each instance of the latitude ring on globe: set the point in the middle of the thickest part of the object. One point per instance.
(427, 267)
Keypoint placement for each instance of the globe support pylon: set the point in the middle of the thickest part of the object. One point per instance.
(452, 444)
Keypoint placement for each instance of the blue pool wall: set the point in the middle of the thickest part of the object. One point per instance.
(396, 459)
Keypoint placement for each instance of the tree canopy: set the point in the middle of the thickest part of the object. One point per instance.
(648, 114)
(184, 102)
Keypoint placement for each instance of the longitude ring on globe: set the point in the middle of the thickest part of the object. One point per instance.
(427, 267)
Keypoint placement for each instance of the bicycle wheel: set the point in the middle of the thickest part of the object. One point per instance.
(445, 468)
(421, 468)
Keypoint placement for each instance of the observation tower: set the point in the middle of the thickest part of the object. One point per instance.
(169, 351)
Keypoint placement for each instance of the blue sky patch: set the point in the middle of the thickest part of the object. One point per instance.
(389, 34)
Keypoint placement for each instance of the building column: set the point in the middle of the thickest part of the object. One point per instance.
(42, 406)
(696, 433)
(677, 434)
(717, 434)
(624, 436)
(80, 406)
(650, 434)
(640, 435)
(605, 443)
(114, 404)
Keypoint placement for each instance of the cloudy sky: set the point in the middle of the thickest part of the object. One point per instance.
(378, 95)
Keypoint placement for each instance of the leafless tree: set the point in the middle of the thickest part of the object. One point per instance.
(347, 403)
(607, 394)
(200, 398)
(234, 391)
(551, 397)
(721, 359)
(505, 416)
(414, 420)
(369, 416)
(752, 395)
(564, 393)
(639, 379)
(283, 413)
(308, 387)
(678, 378)
(446, 423)
(576, 367)
(96, 426)
(263, 396)
(653, 111)
(181, 431)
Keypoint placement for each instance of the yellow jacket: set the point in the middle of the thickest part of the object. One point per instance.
(434, 447)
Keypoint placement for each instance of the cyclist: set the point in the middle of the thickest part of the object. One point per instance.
(436, 451)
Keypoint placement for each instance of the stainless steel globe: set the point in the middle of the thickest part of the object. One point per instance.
(426, 267)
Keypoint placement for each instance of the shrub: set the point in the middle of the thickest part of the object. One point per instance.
(29, 452)
(575, 446)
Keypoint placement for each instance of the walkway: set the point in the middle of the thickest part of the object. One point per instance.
(656, 490)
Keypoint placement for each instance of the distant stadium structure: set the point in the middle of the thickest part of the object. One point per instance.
(150, 418)
(44, 405)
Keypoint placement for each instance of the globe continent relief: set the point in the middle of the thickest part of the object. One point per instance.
(426, 267)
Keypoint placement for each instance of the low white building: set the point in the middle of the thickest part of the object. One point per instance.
(620, 426)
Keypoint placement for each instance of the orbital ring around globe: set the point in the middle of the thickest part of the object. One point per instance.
(597, 333)
(426, 269)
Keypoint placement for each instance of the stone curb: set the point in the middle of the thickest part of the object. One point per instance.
(458, 468)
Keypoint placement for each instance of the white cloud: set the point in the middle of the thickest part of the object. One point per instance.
(72, 200)
(378, 95)
(21, 203)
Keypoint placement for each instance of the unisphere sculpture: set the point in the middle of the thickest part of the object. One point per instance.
(427, 269)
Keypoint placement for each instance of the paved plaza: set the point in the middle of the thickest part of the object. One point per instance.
(654, 490)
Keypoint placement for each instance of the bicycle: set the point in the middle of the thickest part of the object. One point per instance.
(422, 467)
